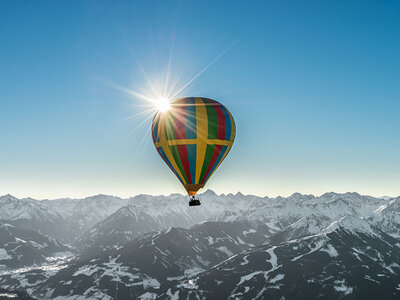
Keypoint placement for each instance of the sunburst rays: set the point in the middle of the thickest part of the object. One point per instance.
(159, 91)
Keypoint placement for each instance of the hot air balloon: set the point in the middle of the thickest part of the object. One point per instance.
(193, 137)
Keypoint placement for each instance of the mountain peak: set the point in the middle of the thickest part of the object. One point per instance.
(8, 196)
(331, 195)
(392, 205)
(352, 224)
(386, 197)
(124, 210)
(129, 210)
(298, 196)
(353, 194)
(209, 193)
(317, 221)
(101, 196)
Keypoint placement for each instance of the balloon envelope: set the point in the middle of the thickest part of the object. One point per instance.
(193, 137)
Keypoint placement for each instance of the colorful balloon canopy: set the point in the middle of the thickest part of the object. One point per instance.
(193, 137)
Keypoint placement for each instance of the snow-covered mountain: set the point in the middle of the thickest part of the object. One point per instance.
(116, 230)
(84, 213)
(21, 248)
(387, 217)
(308, 225)
(35, 215)
(281, 212)
(145, 214)
(349, 259)
(154, 261)
(235, 245)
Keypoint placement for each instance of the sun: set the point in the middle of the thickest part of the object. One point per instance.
(162, 104)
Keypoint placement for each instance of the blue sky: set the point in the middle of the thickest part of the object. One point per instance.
(313, 87)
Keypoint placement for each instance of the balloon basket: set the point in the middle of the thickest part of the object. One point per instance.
(194, 201)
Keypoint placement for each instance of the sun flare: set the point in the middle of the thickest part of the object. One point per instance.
(162, 105)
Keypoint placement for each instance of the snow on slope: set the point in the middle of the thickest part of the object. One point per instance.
(32, 214)
(349, 258)
(387, 217)
(16, 209)
(85, 213)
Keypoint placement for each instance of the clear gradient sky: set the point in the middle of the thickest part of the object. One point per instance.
(313, 86)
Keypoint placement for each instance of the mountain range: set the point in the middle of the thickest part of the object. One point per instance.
(235, 246)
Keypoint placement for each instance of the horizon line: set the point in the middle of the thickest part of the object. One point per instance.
(208, 190)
